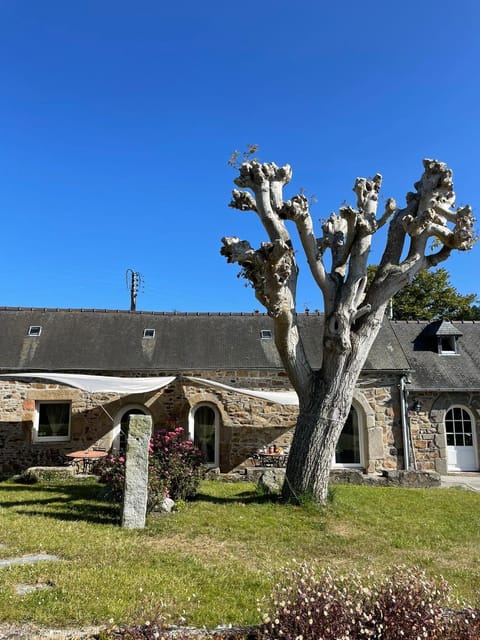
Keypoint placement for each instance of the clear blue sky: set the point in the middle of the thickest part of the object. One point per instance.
(117, 119)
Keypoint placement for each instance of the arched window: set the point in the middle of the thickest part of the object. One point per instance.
(204, 424)
(349, 449)
(120, 429)
(461, 440)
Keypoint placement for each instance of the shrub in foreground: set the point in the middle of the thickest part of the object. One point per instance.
(310, 605)
(404, 605)
(174, 469)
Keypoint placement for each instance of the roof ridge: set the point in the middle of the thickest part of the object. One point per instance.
(136, 312)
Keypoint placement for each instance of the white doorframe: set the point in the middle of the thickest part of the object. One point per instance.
(117, 422)
(361, 442)
(461, 457)
(191, 429)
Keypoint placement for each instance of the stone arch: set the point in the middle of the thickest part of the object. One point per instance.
(373, 449)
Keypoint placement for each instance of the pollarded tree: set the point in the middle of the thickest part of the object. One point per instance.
(353, 316)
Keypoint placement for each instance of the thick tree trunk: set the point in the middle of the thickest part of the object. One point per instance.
(322, 418)
(316, 435)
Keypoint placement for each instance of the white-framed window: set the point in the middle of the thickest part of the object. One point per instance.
(204, 432)
(447, 345)
(52, 421)
(458, 427)
(349, 449)
(460, 435)
(120, 426)
(35, 330)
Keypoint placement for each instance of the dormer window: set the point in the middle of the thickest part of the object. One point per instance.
(266, 334)
(447, 345)
(35, 330)
(149, 333)
(447, 339)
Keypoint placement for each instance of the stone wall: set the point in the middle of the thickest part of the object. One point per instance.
(246, 423)
(427, 425)
(383, 424)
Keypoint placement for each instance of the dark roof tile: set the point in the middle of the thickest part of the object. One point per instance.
(94, 340)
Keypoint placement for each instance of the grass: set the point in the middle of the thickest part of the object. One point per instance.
(210, 562)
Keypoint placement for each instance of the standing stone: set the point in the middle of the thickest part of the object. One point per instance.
(136, 472)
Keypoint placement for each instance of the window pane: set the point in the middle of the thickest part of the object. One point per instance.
(459, 427)
(53, 420)
(348, 446)
(457, 413)
(204, 432)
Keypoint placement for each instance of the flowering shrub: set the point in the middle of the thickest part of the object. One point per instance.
(174, 469)
(177, 461)
(405, 605)
(111, 472)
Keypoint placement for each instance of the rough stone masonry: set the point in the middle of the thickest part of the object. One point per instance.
(136, 472)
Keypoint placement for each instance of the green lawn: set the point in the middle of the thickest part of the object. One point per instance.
(211, 561)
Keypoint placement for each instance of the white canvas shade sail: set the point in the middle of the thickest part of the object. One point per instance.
(128, 386)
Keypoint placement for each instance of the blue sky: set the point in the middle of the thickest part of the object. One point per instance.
(117, 119)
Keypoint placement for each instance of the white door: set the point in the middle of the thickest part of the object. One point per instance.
(461, 441)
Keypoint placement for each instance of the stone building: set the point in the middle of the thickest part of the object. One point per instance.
(70, 379)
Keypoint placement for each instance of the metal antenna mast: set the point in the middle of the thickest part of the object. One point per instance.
(134, 282)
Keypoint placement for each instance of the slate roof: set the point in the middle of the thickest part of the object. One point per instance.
(432, 371)
(102, 341)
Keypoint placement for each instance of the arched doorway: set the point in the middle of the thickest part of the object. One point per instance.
(204, 431)
(461, 440)
(349, 449)
(120, 427)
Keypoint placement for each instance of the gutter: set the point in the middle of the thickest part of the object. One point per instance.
(404, 420)
(446, 389)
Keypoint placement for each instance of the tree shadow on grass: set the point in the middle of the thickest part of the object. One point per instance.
(245, 497)
(61, 501)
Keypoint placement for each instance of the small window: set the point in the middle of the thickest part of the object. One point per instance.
(266, 334)
(458, 427)
(447, 345)
(52, 422)
(149, 333)
(35, 330)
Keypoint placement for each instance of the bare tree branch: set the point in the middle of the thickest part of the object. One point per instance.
(243, 201)
(272, 271)
(428, 215)
(267, 181)
(297, 210)
(390, 209)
